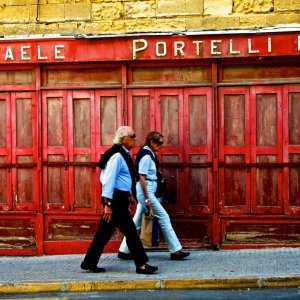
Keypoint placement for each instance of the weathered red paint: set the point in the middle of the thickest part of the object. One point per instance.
(231, 131)
(174, 47)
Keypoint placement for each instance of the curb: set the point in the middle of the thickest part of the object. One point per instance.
(149, 284)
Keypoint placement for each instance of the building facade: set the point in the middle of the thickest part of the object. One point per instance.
(219, 79)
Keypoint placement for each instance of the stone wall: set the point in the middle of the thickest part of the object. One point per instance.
(28, 17)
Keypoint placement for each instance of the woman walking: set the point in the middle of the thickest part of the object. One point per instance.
(147, 169)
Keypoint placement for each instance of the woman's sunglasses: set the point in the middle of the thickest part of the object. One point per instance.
(158, 142)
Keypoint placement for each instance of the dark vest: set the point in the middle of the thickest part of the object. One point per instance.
(141, 153)
(119, 149)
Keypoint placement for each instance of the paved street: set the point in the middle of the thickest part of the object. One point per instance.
(207, 269)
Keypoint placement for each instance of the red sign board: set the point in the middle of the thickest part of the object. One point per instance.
(155, 47)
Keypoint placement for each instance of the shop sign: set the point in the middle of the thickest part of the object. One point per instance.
(219, 46)
(149, 48)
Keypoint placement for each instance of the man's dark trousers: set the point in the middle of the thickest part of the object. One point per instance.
(122, 220)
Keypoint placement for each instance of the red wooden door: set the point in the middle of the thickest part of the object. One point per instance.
(108, 117)
(77, 127)
(81, 148)
(22, 225)
(169, 121)
(24, 158)
(55, 151)
(69, 150)
(198, 150)
(291, 148)
(141, 113)
(184, 117)
(266, 149)
(250, 150)
(5, 153)
(234, 150)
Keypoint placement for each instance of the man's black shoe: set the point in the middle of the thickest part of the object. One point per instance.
(93, 269)
(180, 255)
(125, 256)
(148, 269)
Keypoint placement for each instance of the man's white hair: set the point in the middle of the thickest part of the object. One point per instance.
(121, 132)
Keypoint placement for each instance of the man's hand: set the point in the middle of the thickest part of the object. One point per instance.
(107, 213)
(132, 203)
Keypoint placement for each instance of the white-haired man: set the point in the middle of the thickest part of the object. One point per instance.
(117, 178)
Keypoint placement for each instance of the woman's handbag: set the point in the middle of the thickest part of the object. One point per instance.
(162, 188)
(150, 230)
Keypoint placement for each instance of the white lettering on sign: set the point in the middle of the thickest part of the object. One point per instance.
(269, 45)
(136, 49)
(40, 57)
(231, 51)
(25, 52)
(250, 47)
(197, 43)
(178, 46)
(214, 47)
(58, 52)
(149, 48)
(205, 48)
(9, 54)
(158, 47)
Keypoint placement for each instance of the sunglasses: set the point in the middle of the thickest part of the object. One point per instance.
(158, 142)
(132, 136)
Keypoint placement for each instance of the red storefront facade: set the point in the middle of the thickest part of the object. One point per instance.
(227, 105)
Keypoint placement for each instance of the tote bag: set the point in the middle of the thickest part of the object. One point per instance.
(149, 231)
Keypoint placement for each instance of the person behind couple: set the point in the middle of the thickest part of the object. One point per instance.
(147, 168)
(117, 178)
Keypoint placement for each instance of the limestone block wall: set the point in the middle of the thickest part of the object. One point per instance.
(29, 17)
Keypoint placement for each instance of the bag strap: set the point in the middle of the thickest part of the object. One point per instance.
(141, 153)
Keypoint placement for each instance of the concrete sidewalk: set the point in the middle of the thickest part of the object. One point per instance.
(207, 269)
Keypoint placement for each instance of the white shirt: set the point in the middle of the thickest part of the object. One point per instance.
(147, 166)
(116, 175)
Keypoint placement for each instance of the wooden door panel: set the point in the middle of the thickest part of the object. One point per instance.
(266, 149)
(81, 148)
(5, 152)
(55, 125)
(293, 183)
(293, 118)
(77, 127)
(198, 184)
(81, 123)
(197, 118)
(266, 182)
(235, 183)
(83, 179)
(234, 150)
(108, 117)
(141, 114)
(174, 177)
(55, 150)
(56, 193)
(184, 116)
(250, 149)
(25, 151)
(291, 155)
(169, 121)
(198, 150)
(234, 120)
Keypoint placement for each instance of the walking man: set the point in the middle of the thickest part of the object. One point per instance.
(117, 178)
